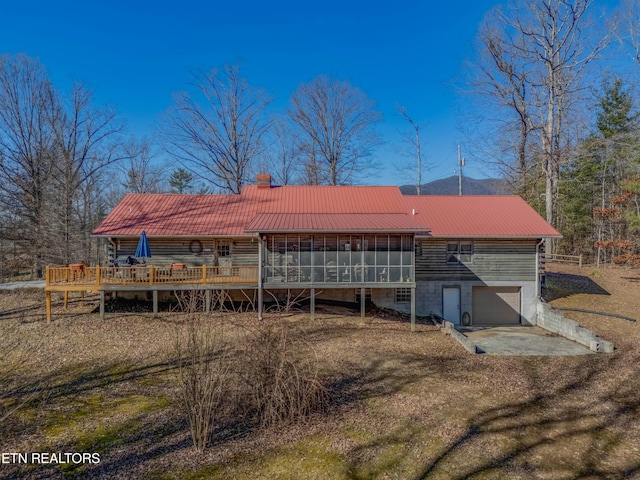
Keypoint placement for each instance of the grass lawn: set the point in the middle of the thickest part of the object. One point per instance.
(403, 405)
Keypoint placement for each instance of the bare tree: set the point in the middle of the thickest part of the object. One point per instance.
(142, 173)
(500, 80)
(51, 149)
(414, 140)
(282, 154)
(220, 139)
(628, 28)
(535, 61)
(87, 142)
(335, 124)
(27, 139)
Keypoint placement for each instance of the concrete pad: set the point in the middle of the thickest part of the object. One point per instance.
(522, 341)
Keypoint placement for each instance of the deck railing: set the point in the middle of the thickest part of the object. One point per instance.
(150, 275)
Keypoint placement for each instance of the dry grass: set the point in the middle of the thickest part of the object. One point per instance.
(403, 405)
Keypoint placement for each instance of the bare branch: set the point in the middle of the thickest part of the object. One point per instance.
(221, 139)
(335, 129)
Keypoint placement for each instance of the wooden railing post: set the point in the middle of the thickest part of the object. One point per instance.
(204, 274)
(151, 274)
(98, 275)
(46, 275)
(48, 305)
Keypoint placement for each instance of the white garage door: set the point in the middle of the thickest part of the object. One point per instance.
(496, 306)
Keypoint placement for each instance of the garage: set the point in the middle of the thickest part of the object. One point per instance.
(496, 306)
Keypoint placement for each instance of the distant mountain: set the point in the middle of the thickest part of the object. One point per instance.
(470, 186)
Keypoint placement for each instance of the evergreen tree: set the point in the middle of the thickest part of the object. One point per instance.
(593, 195)
(181, 181)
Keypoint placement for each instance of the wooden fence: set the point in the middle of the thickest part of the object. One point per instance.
(554, 257)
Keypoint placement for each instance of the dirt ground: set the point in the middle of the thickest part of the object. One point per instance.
(403, 405)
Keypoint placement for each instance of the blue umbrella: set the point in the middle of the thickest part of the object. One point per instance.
(143, 247)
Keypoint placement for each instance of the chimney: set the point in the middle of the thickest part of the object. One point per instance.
(263, 180)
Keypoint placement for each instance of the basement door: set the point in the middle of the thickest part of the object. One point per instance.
(496, 306)
(451, 304)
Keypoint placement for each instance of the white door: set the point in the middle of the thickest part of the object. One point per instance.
(451, 304)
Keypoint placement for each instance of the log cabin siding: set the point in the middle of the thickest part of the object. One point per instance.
(492, 260)
(166, 251)
(244, 253)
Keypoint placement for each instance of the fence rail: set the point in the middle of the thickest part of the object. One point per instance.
(149, 275)
(554, 257)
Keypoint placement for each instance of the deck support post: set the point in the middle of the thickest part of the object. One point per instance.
(312, 305)
(48, 304)
(155, 303)
(101, 304)
(413, 309)
(362, 304)
(66, 299)
(207, 300)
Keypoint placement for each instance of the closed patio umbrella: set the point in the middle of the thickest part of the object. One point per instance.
(143, 246)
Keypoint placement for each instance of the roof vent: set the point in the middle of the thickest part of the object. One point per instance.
(263, 180)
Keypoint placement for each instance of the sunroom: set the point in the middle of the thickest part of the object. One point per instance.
(336, 260)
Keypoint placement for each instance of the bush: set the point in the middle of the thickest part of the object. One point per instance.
(202, 377)
(269, 378)
(281, 376)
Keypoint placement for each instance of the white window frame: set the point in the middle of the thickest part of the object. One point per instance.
(457, 256)
(403, 295)
(223, 248)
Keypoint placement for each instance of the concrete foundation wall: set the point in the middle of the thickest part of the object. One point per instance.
(450, 329)
(429, 298)
(557, 323)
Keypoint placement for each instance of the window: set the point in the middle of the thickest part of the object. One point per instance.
(403, 295)
(453, 251)
(466, 251)
(459, 252)
(224, 248)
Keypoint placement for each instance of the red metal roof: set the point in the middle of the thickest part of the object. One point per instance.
(322, 199)
(178, 215)
(310, 208)
(332, 222)
(478, 216)
(229, 215)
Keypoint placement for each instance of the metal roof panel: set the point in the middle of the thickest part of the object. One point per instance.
(479, 216)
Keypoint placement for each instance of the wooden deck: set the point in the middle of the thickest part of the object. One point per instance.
(150, 278)
(112, 278)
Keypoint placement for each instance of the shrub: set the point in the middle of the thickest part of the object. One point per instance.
(281, 376)
(202, 376)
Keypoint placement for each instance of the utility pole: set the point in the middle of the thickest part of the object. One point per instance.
(460, 165)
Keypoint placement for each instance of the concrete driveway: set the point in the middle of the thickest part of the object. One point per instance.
(521, 341)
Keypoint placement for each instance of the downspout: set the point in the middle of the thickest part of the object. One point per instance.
(538, 287)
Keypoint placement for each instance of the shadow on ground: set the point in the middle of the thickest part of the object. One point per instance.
(560, 285)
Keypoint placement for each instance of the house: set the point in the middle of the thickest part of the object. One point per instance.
(468, 259)
(480, 261)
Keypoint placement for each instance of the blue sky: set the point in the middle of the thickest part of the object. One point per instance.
(135, 54)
